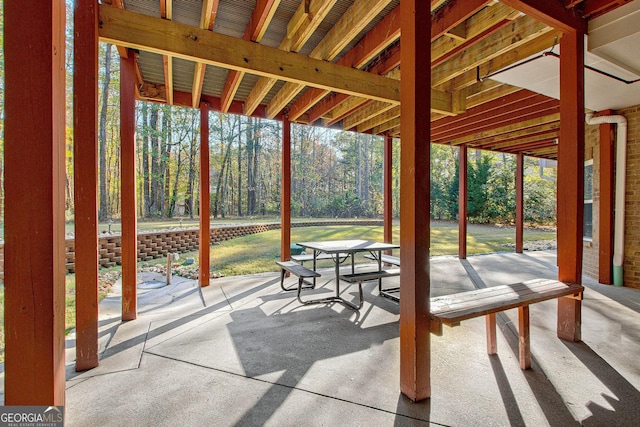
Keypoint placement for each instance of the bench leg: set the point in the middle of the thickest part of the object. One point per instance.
(331, 299)
(492, 343)
(523, 337)
(293, 288)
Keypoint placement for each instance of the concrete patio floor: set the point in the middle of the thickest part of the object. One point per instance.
(255, 356)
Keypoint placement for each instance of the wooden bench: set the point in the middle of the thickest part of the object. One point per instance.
(309, 257)
(298, 270)
(450, 310)
(370, 275)
(387, 259)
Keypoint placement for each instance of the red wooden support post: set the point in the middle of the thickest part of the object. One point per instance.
(605, 231)
(462, 202)
(415, 156)
(34, 155)
(85, 169)
(128, 188)
(205, 197)
(285, 195)
(570, 179)
(519, 202)
(388, 194)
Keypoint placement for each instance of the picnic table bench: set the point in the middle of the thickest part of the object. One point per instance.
(298, 270)
(450, 310)
(387, 259)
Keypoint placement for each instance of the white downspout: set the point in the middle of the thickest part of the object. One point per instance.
(620, 188)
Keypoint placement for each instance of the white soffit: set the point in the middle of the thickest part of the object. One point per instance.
(613, 47)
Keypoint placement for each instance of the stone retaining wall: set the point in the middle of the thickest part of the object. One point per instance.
(157, 244)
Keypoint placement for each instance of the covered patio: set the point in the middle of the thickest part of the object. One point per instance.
(322, 62)
(255, 356)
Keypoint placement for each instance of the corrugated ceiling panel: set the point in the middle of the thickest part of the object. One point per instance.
(187, 11)
(214, 78)
(183, 75)
(151, 67)
(147, 7)
(233, 17)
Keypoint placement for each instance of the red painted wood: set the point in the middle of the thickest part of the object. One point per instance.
(570, 185)
(415, 89)
(128, 188)
(605, 213)
(519, 202)
(34, 155)
(551, 12)
(388, 193)
(462, 202)
(453, 13)
(205, 197)
(85, 170)
(285, 203)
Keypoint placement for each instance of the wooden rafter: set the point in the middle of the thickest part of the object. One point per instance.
(552, 13)
(298, 34)
(258, 23)
(356, 18)
(207, 20)
(375, 41)
(166, 12)
(166, 37)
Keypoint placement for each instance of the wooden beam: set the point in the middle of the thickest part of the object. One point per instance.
(379, 120)
(496, 45)
(351, 105)
(207, 21)
(415, 336)
(350, 24)
(161, 36)
(85, 171)
(128, 189)
(258, 23)
(509, 57)
(166, 12)
(506, 129)
(570, 180)
(297, 35)
(34, 161)
(204, 235)
(594, 8)
(551, 13)
(519, 178)
(453, 14)
(285, 192)
(365, 114)
(462, 201)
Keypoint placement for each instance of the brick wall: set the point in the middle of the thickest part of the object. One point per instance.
(158, 243)
(590, 247)
(632, 205)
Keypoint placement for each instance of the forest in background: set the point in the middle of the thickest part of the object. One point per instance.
(334, 173)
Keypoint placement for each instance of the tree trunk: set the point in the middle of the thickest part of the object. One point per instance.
(103, 209)
(145, 160)
(239, 169)
(155, 157)
(166, 159)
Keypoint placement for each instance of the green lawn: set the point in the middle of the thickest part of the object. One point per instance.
(256, 253)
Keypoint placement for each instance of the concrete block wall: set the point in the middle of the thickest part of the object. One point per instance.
(157, 244)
